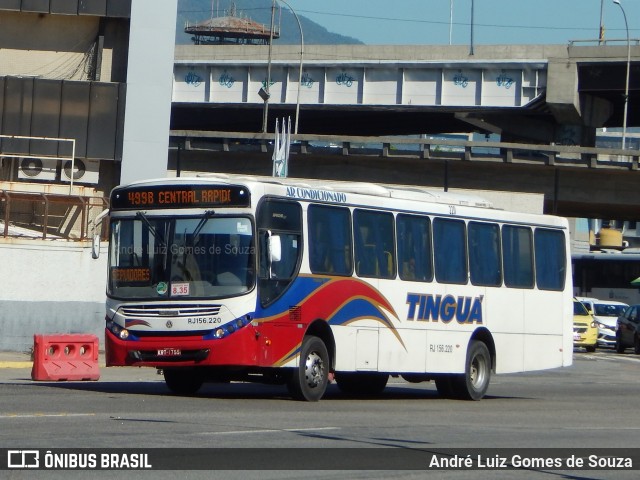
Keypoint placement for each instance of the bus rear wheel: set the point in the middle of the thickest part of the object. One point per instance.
(309, 380)
(183, 381)
(473, 384)
(362, 383)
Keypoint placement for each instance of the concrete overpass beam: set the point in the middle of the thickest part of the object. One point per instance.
(513, 128)
(595, 111)
(562, 91)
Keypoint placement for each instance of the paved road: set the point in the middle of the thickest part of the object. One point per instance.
(592, 404)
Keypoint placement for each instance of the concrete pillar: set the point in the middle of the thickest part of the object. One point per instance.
(149, 89)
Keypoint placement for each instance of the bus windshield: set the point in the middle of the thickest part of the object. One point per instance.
(179, 258)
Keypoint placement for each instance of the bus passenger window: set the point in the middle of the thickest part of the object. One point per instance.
(449, 246)
(550, 257)
(484, 254)
(517, 256)
(329, 235)
(374, 244)
(414, 248)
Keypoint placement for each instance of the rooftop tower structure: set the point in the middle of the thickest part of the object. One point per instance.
(230, 29)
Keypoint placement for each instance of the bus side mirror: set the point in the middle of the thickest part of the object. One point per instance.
(95, 243)
(95, 246)
(274, 246)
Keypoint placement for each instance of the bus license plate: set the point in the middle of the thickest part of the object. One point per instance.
(169, 352)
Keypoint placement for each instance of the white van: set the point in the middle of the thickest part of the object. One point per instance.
(605, 313)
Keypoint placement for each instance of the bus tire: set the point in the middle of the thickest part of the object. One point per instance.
(473, 384)
(636, 344)
(309, 380)
(590, 348)
(619, 345)
(362, 383)
(182, 381)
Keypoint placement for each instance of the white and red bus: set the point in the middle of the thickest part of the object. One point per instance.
(303, 282)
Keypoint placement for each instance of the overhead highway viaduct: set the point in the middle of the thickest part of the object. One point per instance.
(546, 94)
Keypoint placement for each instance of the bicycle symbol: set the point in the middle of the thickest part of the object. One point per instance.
(226, 80)
(192, 78)
(503, 81)
(306, 81)
(460, 80)
(344, 79)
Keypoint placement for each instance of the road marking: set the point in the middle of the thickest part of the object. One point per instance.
(274, 430)
(41, 415)
(12, 364)
(600, 428)
(610, 357)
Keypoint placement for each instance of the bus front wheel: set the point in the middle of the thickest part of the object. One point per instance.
(473, 384)
(309, 380)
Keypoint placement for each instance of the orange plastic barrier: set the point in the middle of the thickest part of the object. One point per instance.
(65, 357)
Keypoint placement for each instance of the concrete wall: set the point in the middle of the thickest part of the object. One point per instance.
(58, 46)
(49, 287)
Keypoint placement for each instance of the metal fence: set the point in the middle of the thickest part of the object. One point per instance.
(45, 216)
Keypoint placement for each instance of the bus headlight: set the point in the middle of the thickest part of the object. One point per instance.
(118, 331)
(219, 333)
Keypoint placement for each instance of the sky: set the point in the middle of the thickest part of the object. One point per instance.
(495, 22)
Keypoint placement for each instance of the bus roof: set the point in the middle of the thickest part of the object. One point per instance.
(405, 192)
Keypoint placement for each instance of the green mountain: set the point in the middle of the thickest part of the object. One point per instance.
(194, 11)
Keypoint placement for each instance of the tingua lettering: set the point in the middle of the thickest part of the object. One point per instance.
(444, 308)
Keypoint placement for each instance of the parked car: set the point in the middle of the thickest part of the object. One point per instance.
(628, 332)
(585, 331)
(605, 313)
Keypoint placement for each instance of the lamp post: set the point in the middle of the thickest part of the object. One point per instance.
(472, 11)
(601, 29)
(626, 87)
(450, 21)
(264, 91)
(295, 129)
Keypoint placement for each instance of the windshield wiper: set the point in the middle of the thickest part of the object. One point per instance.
(151, 228)
(205, 218)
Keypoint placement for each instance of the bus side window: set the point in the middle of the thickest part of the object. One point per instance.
(449, 245)
(550, 258)
(484, 254)
(415, 261)
(329, 237)
(517, 254)
(375, 245)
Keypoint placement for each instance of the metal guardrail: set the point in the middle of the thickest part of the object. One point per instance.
(607, 41)
(37, 215)
(417, 148)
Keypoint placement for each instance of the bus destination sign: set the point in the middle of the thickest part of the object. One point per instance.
(179, 196)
